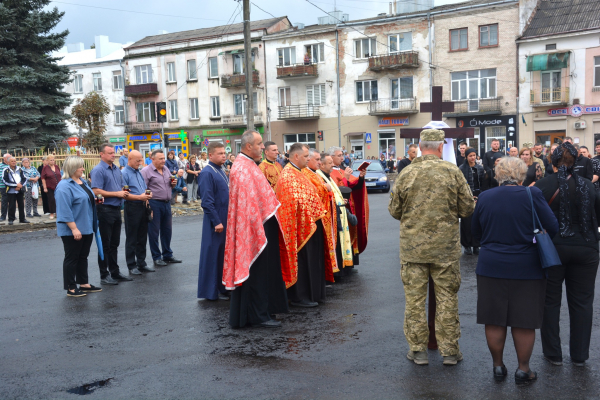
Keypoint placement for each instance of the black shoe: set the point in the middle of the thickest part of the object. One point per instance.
(134, 271)
(305, 304)
(2, 219)
(24, 222)
(159, 263)
(475, 250)
(500, 373)
(524, 377)
(29, 216)
(578, 363)
(75, 293)
(468, 251)
(108, 281)
(146, 268)
(122, 277)
(554, 360)
(10, 222)
(223, 296)
(172, 260)
(91, 289)
(37, 215)
(269, 324)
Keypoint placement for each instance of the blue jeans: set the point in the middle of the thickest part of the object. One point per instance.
(162, 222)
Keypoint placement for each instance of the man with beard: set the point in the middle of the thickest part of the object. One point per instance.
(539, 157)
(489, 158)
(412, 154)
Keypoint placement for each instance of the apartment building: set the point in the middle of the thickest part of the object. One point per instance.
(201, 75)
(97, 69)
(559, 73)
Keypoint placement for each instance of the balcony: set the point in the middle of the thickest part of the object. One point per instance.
(301, 111)
(393, 106)
(236, 80)
(237, 121)
(297, 71)
(406, 59)
(464, 108)
(549, 97)
(138, 127)
(141, 90)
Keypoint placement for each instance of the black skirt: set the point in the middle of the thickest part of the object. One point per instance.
(518, 303)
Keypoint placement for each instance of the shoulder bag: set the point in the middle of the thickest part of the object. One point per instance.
(548, 254)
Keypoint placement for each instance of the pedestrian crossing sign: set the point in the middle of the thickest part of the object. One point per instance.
(367, 137)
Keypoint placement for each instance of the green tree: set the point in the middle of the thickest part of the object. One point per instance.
(32, 102)
(90, 113)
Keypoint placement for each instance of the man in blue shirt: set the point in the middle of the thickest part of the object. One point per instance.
(123, 160)
(107, 181)
(135, 216)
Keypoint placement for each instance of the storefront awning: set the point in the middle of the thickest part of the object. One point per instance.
(354, 134)
(545, 62)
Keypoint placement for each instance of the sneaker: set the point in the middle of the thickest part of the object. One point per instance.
(453, 359)
(418, 357)
(557, 361)
(91, 289)
(28, 216)
(75, 293)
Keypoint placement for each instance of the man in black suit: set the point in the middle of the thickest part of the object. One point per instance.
(412, 154)
(489, 158)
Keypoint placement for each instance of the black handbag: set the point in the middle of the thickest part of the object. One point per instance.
(548, 254)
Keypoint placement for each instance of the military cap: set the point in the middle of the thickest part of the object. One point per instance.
(432, 135)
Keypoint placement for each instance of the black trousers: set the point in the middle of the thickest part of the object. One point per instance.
(15, 199)
(75, 265)
(136, 231)
(310, 285)
(578, 272)
(466, 237)
(44, 200)
(4, 202)
(109, 223)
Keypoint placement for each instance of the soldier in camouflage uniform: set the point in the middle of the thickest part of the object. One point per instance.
(428, 198)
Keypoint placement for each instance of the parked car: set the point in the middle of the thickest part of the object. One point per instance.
(376, 179)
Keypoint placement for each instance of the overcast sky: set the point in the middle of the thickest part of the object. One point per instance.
(131, 20)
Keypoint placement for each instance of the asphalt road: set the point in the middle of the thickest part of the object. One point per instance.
(152, 338)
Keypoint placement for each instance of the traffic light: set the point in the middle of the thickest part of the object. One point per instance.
(320, 135)
(161, 111)
(166, 142)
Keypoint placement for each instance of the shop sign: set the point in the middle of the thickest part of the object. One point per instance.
(574, 111)
(116, 140)
(393, 121)
(72, 141)
(228, 131)
(197, 139)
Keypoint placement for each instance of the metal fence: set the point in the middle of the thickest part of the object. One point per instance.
(90, 158)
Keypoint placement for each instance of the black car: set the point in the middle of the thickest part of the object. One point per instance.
(376, 178)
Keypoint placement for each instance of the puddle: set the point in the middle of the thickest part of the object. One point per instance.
(89, 388)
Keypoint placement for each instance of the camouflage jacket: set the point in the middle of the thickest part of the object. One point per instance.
(428, 198)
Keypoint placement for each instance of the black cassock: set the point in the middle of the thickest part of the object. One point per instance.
(311, 270)
(263, 293)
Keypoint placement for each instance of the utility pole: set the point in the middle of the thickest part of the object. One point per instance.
(248, 67)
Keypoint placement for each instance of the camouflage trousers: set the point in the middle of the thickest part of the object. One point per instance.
(446, 279)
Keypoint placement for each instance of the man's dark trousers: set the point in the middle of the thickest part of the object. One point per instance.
(136, 231)
(109, 223)
(4, 203)
(161, 224)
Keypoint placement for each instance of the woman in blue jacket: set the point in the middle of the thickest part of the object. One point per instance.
(76, 222)
(171, 163)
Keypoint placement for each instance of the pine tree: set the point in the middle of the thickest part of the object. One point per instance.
(32, 102)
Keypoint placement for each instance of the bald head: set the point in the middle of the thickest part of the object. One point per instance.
(6, 157)
(135, 159)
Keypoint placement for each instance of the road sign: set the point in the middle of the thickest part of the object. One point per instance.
(118, 149)
(367, 137)
(206, 142)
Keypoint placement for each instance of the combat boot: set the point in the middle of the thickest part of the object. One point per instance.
(418, 357)
(453, 359)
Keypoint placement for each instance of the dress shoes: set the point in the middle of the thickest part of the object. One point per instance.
(24, 222)
(468, 251)
(223, 297)
(475, 250)
(524, 377)
(500, 373)
(10, 222)
(557, 361)
(146, 268)
(269, 324)
(122, 277)
(160, 263)
(172, 260)
(578, 363)
(108, 281)
(134, 271)
(305, 304)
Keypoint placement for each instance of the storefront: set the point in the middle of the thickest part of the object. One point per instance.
(230, 137)
(581, 122)
(489, 128)
(146, 143)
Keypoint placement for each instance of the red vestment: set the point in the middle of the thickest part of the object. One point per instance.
(271, 170)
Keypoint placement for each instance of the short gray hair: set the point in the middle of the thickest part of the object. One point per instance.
(331, 151)
(247, 138)
(426, 145)
(312, 152)
(70, 165)
(510, 169)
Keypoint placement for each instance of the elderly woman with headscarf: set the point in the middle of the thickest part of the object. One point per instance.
(33, 176)
(476, 177)
(577, 207)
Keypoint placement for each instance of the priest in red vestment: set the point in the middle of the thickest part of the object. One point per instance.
(270, 167)
(359, 202)
(300, 214)
(256, 263)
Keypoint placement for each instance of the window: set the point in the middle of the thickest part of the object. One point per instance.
(316, 52)
(192, 72)
(285, 97)
(213, 68)
(215, 108)
(551, 46)
(597, 71)
(365, 48)
(97, 81)
(143, 74)
(402, 88)
(238, 63)
(488, 35)
(315, 95)
(458, 39)
(495, 133)
(117, 80)
(194, 109)
(400, 42)
(119, 115)
(146, 112)
(173, 113)
(366, 91)
(387, 144)
(171, 72)
(239, 103)
(551, 86)
(304, 138)
(286, 56)
(479, 84)
(78, 83)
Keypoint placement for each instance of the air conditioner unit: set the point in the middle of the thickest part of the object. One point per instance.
(580, 125)
(473, 105)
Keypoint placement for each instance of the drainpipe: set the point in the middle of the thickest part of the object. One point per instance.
(430, 55)
(337, 55)
(125, 108)
(518, 122)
